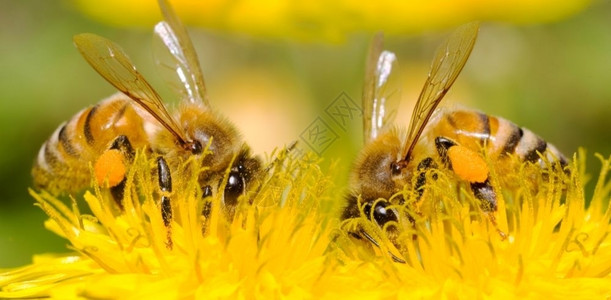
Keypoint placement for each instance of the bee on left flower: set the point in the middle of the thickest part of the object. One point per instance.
(107, 134)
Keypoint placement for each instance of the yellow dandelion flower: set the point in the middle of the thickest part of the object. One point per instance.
(125, 253)
(331, 20)
(285, 242)
(543, 242)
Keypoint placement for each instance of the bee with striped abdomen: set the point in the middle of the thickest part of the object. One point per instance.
(455, 140)
(108, 134)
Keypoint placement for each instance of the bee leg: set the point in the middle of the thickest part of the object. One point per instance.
(165, 185)
(470, 167)
(122, 144)
(110, 168)
(484, 192)
(207, 209)
(117, 192)
(424, 165)
(442, 145)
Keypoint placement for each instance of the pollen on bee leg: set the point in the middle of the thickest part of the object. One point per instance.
(468, 164)
(491, 216)
(110, 168)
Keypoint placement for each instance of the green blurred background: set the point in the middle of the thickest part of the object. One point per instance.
(552, 78)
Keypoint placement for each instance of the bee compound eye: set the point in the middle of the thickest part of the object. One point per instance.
(234, 187)
(195, 147)
(381, 214)
(395, 168)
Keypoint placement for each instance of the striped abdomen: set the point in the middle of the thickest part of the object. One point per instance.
(63, 162)
(498, 137)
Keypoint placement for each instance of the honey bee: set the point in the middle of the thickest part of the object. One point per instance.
(107, 134)
(453, 140)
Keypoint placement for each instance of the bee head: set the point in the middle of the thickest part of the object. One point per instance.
(381, 171)
(214, 137)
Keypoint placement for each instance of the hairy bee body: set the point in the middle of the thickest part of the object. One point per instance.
(63, 165)
(389, 177)
(64, 160)
(106, 136)
(488, 136)
(496, 136)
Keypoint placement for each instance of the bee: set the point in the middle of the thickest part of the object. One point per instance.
(107, 134)
(453, 140)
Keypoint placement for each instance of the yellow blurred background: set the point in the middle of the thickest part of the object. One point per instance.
(276, 70)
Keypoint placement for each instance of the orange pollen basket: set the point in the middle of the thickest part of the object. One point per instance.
(468, 164)
(110, 168)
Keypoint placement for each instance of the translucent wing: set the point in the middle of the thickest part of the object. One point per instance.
(379, 99)
(109, 60)
(179, 56)
(449, 61)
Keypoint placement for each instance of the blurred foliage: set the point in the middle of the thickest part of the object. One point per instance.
(551, 78)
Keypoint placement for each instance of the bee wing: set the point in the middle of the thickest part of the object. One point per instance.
(449, 61)
(110, 61)
(379, 93)
(179, 56)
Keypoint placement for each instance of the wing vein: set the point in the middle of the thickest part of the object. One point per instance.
(449, 61)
